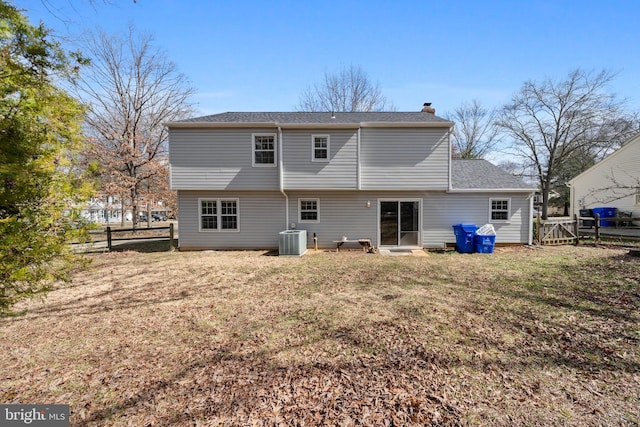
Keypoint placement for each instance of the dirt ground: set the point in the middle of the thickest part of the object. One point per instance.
(520, 337)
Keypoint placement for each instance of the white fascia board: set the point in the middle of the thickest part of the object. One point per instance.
(320, 189)
(237, 125)
(398, 190)
(213, 125)
(407, 124)
(492, 190)
(319, 125)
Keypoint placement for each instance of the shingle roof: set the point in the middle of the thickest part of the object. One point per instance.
(318, 118)
(480, 174)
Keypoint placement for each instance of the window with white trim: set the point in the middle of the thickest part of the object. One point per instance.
(308, 210)
(218, 214)
(320, 149)
(208, 215)
(264, 149)
(500, 210)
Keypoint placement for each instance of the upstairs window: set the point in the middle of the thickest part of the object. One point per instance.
(308, 210)
(264, 149)
(320, 149)
(218, 214)
(499, 210)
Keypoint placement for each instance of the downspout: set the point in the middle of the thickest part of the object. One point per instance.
(358, 166)
(450, 155)
(530, 239)
(575, 209)
(281, 179)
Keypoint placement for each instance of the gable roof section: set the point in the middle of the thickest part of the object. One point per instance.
(478, 174)
(301, 119)
(611, 157)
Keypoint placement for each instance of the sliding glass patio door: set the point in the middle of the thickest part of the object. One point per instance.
(400, 223)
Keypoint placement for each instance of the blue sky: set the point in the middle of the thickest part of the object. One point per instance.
(261, 55)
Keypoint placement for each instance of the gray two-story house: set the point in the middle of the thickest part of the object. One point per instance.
(242, 178)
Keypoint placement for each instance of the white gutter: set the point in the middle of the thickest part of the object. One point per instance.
(177, 125)
(188, 125)
(406, 124)
(281, 179)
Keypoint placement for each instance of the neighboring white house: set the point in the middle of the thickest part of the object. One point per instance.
(101, 210)
(241, 178)
(108, 210)
(612, 182)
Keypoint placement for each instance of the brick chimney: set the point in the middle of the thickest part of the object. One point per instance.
(427, 108)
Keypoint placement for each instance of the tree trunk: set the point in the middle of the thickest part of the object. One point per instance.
(546, 187)
(134, 206)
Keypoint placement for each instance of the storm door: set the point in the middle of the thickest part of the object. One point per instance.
(399, 223)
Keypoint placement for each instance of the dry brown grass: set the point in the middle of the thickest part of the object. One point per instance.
(519, 337)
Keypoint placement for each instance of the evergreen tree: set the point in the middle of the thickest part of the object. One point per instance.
(39, 132)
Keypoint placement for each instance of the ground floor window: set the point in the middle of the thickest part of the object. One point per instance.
(499, 209)
(218, 214)
(308, 210)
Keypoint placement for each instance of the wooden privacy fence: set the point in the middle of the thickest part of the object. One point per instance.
(562, 231)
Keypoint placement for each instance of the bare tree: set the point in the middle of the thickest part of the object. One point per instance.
(348, 90)
(131, 89)
(475, 133)
(513, 168)
(550, 122)
(617, 185)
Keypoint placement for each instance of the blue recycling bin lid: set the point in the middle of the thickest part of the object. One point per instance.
(464, 228)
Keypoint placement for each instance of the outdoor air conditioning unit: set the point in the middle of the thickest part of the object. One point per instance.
(292, 242)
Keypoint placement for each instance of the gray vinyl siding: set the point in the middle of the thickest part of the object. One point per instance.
(344, 213)
(442, 210)
(341, 214)
(347, 214)
(300, 172)
(261, 218)
(405, 159)
(221, 159)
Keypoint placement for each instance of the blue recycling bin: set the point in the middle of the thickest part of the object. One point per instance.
(605, 213)
(484, 244)
(464, 237)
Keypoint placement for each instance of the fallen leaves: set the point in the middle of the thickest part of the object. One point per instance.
(239, 338)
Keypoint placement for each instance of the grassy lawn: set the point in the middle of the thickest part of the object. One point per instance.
(521, 337)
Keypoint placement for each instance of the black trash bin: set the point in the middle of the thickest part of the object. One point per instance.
(587, 222)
